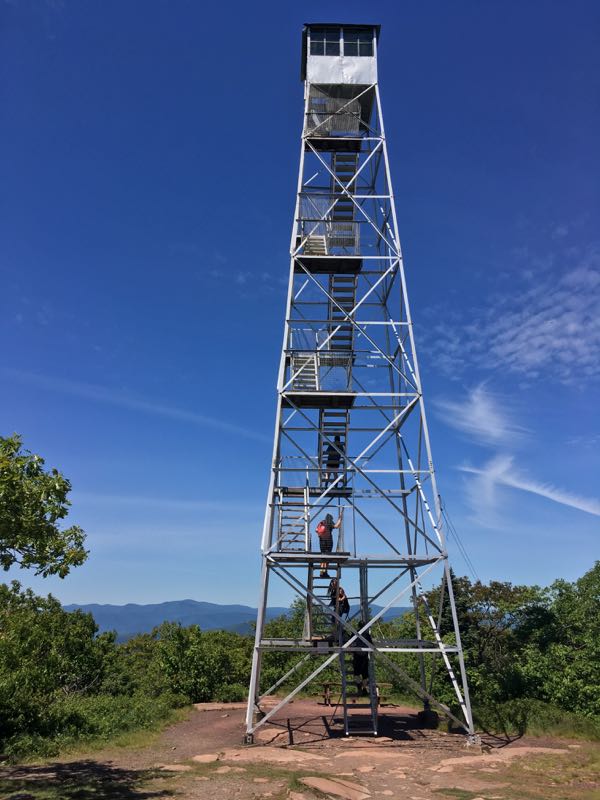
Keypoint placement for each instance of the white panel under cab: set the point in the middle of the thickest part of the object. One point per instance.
(341, 69)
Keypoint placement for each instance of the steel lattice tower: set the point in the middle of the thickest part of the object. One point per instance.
(351, 434)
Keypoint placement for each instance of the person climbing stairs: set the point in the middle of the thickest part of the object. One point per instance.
(319, 625)
(333, 438)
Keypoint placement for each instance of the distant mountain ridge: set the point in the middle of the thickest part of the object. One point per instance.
(131, 619)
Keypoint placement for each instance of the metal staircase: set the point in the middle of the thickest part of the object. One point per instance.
(333, 433)
(358, 693)
(342, 290)
(294, 520)
(344, 230)
(359, 688)
(305, 368)
(315, 245)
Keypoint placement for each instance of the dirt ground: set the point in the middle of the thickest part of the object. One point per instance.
(303, 755)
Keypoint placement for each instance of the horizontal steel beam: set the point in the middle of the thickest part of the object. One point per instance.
(298, 646)
(304, 559)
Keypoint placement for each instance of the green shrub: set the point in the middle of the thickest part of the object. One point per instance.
(524, 715)
(232, 693)
(199, 664)
(99, 718)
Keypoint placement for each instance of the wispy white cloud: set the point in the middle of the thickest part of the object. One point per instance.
(101, 394)
(548, 324)
(482, 416)
(591, 441)
(500, 471)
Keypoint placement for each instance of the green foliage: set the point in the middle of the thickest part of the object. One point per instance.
(134, 666)
(73, 721)
(285, 626)
(232, 693)
(32, 502)
(45, 653)
(201, 664)
(60, 681)
(561, 664)
(521, 643)
(526, 642)
(532, 656)
(525, 715)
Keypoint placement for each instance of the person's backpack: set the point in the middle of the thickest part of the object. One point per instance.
(322, 528)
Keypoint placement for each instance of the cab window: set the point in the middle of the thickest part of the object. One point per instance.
(358, 42)
(324, 41)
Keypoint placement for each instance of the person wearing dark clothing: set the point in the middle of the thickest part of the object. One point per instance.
(337, 596)
(360, 666)
(333, 458)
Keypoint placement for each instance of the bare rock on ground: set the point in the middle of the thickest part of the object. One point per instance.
(175, 767)
(503, 754)
(337, 788)
(206, 758)
(275, 755)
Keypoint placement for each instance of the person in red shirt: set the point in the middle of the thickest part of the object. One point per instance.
(325, 533)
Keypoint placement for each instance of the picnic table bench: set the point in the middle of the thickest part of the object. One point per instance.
(327, 686)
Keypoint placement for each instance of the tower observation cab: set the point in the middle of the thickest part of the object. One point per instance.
(352, 522)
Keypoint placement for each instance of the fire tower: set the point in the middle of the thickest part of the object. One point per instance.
(351, 436)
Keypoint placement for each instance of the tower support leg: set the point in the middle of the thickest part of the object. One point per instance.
(253, 691)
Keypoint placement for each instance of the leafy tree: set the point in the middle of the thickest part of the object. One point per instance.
(32, 502)
(561, 663)
(46, 654)
(201, 665)
(134, 666)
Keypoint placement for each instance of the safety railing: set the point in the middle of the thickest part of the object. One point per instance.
(321, 231)
(330, 116)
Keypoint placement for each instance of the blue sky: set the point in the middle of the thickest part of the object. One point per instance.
(148, 171)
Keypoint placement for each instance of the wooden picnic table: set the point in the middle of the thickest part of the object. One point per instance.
(327, 685)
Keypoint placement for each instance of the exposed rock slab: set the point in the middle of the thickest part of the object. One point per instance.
(175, 767)
(275, 755)
(504, 754)
(337, 788)
(206, 758)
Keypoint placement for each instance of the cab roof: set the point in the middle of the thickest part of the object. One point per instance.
(308, 25)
